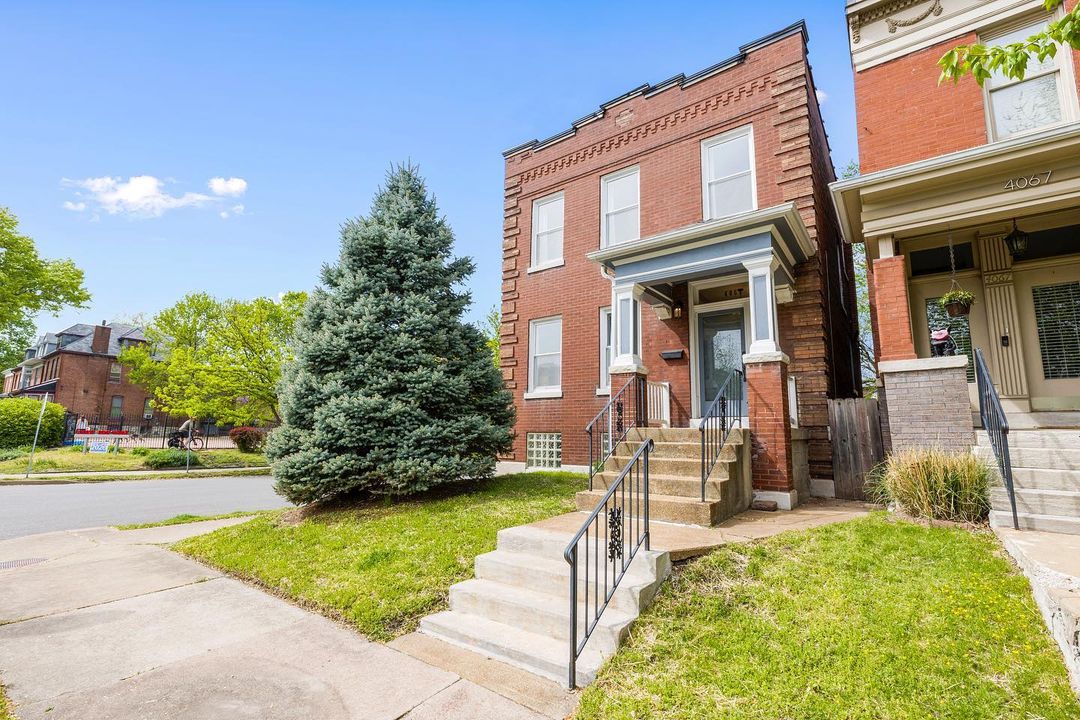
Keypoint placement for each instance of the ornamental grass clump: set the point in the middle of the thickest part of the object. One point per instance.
(933, 483)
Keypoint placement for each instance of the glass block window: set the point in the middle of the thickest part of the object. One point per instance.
(937, 318)
(543, 450)
(1057, 318)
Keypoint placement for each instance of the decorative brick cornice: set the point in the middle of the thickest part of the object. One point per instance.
(859, 20)
(652, 127)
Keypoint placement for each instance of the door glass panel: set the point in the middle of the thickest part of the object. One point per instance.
(721, 346)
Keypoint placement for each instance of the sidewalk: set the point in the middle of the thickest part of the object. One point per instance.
(100, 623)
(58, 478)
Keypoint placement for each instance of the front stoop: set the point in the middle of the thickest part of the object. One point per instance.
(1046, 480)
(517, 608)
(675, 476)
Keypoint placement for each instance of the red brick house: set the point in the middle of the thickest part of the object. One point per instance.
(972, 187)
(680, 233)
(79, 368)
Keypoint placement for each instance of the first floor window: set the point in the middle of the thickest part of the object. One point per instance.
(543, 450)
(147, 409)
(114, 372)
(606, 340)
(937, 318)
(117, 408)
(1057, 318)
(545, 355)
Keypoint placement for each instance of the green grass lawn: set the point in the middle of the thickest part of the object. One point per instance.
(381, 566)
(871, 618)
(184, 518)
(69, 460)
(5, 706)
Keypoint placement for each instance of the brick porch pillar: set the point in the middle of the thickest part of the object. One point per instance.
(770, 428)
(892, 310)
(633, 401)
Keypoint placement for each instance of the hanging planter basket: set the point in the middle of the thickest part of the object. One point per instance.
(957, 302)
(956, 309)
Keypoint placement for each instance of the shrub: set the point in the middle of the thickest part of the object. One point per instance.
(18, 420)
(140, 451)
(13, 454)
(248, 439)
(170, 457)
(932, 483)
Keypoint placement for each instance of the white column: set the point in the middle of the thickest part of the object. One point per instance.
(763, 335)
(626, 323)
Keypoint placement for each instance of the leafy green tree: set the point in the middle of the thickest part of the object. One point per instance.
(982, 61)
(391, 391)
(217, 358)
(30, 284)
(492, 329)
(862, 304)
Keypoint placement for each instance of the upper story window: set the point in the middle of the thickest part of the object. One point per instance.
(727, 174)
(620, 203)
(547, 232)
(1039, 100)
(545, 357)
(114, 372)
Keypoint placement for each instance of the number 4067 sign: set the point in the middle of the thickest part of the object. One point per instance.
(1027, 181)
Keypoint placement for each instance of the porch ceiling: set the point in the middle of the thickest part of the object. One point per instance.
(712, 248)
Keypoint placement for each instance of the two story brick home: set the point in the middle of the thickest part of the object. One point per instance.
(971, 187)
(683, 233)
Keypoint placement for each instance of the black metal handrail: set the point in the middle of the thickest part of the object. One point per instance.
(997, 427)
(625, 528)
(723, 413)
(623, 412)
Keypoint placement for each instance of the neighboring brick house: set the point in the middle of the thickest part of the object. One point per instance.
(681, 232)
(988, 176)
(79, 369)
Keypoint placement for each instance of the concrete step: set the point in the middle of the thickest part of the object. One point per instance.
(552, 577)
(1060, 439)
(1033, 521)
(1040, 479)
(661, 449)
(666, 508)
(1038, 502)
(685, 435)
(531, 651)
(1036, 458)
(541, 613)
(679, 485)
(685, 466)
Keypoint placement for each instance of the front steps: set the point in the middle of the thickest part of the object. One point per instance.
(517, 608)
(675, 476)
(1046, 479)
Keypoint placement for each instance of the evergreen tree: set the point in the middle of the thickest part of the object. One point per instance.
(390, 391)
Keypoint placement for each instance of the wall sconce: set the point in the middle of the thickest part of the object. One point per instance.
(1016, 242)
(676, 309)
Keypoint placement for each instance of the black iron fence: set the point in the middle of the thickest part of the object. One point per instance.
(997, 427)
(604, 547)
(625, 410)
(152, 430)
(724, 413)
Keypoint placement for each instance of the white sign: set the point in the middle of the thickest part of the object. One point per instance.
(98, 444)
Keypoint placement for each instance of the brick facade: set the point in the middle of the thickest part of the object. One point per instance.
(771, 451)
(929, 404)
(770, 89)
(893, 328)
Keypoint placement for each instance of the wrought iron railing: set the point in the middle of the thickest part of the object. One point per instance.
(996, 426)
(602, 550)
(623, 412)
(723, 413)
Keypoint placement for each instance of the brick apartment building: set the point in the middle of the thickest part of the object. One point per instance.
(79, 369)
(681, 232)
(973, 187)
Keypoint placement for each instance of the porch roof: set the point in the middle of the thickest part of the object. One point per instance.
(715, 247)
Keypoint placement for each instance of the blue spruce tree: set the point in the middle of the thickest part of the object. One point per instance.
(391, 392)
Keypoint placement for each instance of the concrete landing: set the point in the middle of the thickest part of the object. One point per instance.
(687, 541)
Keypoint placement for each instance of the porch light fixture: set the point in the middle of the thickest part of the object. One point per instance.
(1016, 242)
(676, 309)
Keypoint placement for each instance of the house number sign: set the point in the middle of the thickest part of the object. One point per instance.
(1026, 181)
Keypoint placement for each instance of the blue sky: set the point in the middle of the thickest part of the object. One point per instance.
(298, 109)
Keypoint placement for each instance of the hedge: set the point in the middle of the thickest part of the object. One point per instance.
(18, 420)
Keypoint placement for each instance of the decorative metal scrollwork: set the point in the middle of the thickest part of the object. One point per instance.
(618, 419)
(615, 544)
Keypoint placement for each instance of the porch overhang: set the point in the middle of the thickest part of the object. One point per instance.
(710, 249)
(963, 189)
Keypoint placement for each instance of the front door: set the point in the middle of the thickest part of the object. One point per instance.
(721, 347)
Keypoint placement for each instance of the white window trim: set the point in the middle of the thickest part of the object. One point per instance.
(601, 388)
(604, 180)
(546, 391)
(1063, 66)
(559, 262)
(706, 144)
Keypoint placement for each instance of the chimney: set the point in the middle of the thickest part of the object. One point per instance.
(100, 343)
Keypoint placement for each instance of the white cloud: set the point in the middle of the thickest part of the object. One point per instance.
(74, 206)
(234, 210)
(140, 196)
(231, 187)
(822, 96)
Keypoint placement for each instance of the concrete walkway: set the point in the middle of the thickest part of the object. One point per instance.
(82, 476)
(99, 623)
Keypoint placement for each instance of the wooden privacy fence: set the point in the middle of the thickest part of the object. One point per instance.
(855, 427)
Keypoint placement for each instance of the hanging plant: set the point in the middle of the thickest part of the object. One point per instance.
(957, 302)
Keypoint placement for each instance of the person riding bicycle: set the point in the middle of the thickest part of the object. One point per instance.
(180, 435)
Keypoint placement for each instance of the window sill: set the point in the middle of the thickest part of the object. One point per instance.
(544, 394)
(548, 266)
(603, 391)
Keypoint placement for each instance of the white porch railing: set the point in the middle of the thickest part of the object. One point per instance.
(659, 403)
